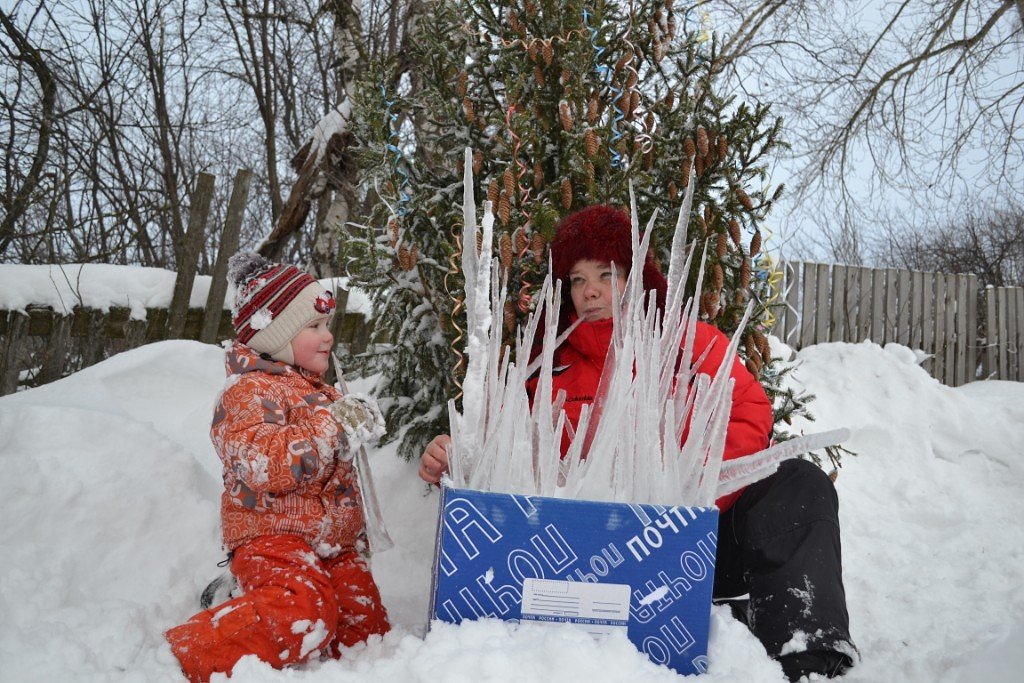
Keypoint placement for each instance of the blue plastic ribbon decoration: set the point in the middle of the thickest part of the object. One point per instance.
(401, 206)
(606, 74)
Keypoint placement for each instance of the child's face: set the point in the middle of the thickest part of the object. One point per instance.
(311, 348)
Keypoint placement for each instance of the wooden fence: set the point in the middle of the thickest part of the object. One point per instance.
(968, 334)
(40, 346)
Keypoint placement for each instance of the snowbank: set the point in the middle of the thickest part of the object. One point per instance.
(109, 508)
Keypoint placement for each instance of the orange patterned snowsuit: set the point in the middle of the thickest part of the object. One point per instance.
(292, 519)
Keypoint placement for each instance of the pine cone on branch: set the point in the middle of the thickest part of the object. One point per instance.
(755, 243)
(565, 116)
(591, 143)
(734, 231)
(508, 180)
(537, 246)
(702, 141)
(566, 192)
(505, 253)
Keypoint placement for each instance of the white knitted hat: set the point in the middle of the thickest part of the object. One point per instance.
(273, 302)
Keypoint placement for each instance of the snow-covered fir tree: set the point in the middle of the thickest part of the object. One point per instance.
(565, 104)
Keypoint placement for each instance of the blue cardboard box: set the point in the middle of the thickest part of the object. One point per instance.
(643, 569)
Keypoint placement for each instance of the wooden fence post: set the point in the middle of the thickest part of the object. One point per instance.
(961, 375)
(1001, 333)
(989, 356)
(823, 298)
(916, 308)
(973, 358)
(194, 237)
(10, 353)
(877, 333)
(52, 362)
(949, 344)
(864, 304)
(807, 301)
(1008, 341)
(777, 300)
(852, 303)
(228, 246)
(927, 320)
(838, 312)
(939, 327)
(792, 328)
(1019, 297)
(903, 307)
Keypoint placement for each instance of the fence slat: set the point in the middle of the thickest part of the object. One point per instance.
(852, 302)
(891, 277)
(792, 278)
(939, 326)
(972, 328)
(807, 302)
(838, 312)
(1016, 304)
(960, 327)
(228, 246)
(1006, 340)
(822, 304)
(194, 236)
(1019, 332)
(864, 304)
(916, 309)
(927, 301)
(1001, 331)
(991, 362)
(903, 285)
(51, 366)
(10, 352)
(877, 333)
(949, 342)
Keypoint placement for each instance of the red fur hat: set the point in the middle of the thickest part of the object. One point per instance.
(601, 233)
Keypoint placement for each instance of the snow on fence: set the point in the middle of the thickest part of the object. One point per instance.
(968, 334)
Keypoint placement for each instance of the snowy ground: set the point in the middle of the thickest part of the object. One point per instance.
(109, 531)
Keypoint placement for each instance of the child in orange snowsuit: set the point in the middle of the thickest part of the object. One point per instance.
(291, 511)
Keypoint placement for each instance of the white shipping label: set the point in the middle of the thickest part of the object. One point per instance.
(601, 608)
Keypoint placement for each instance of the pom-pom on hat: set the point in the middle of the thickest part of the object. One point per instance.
(601, 233)
(273, 302)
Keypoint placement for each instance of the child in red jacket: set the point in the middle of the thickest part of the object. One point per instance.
(291, 511)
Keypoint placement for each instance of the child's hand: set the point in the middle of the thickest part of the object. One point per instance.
(434, 461)
(360, 419)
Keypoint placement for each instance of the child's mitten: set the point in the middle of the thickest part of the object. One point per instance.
(360, 419)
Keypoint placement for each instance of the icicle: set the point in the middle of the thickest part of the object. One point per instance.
(741, 472)
(676, 270)
(627, 445)
(376, 532)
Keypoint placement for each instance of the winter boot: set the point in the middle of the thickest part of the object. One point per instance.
(827, 663)
(221, 589)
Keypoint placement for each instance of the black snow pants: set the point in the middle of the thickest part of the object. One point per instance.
(780, 543)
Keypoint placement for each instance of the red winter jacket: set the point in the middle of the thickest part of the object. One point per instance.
(280, 448)
(580, 360)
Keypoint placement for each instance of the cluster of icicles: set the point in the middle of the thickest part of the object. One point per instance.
(628, 446)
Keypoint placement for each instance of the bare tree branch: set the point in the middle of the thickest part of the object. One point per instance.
(17, 201)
